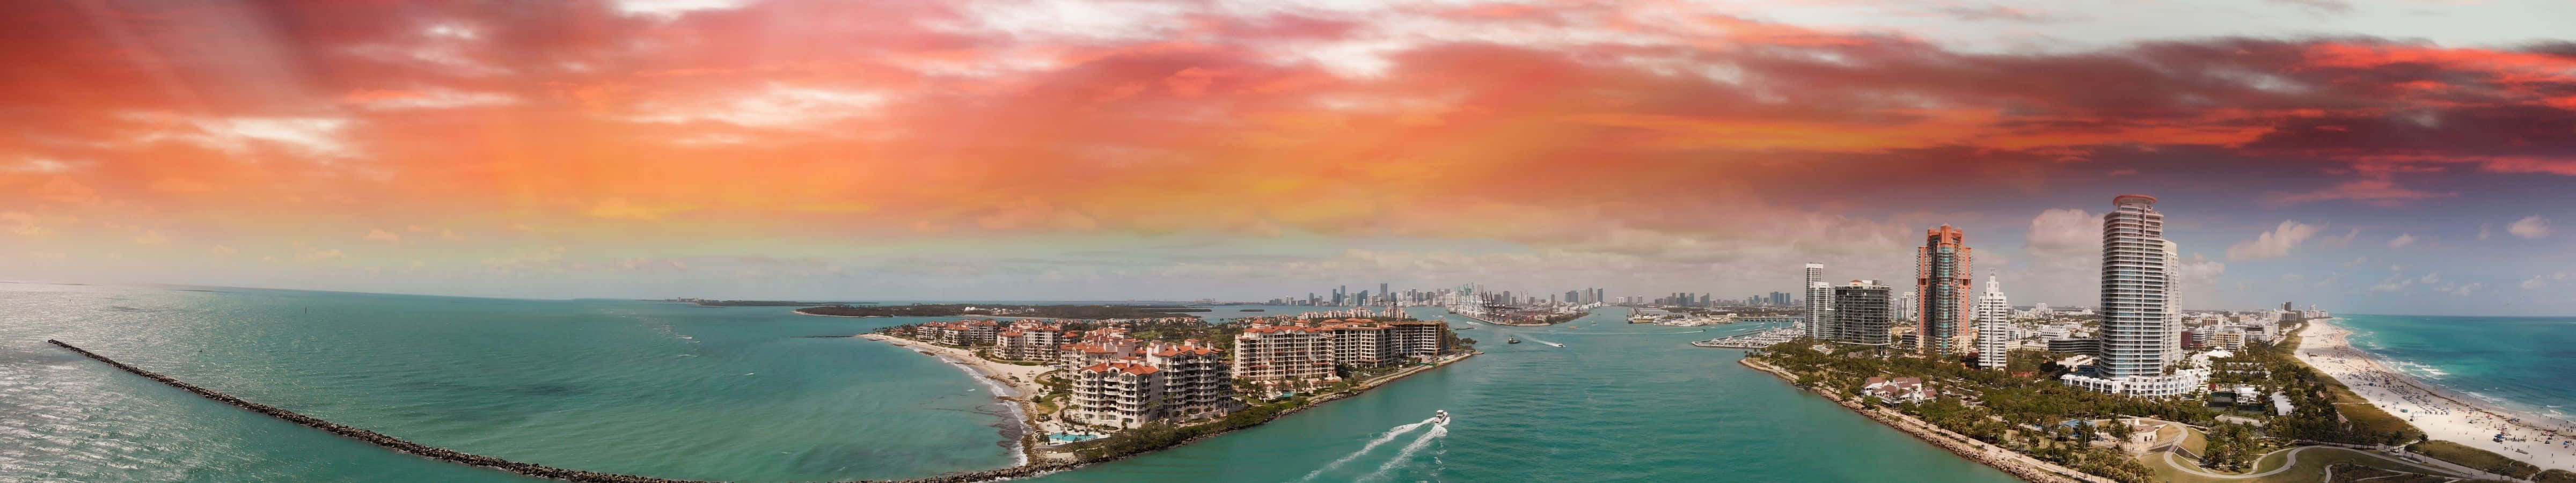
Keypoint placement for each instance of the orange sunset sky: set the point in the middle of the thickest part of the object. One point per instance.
(2383, 156)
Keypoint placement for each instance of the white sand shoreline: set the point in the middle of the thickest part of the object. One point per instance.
(2440, 413)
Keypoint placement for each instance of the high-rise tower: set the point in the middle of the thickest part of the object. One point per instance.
(1862, 314)
(1941, 276)
(1994, 326)
(2173, 302)
(2133, 288)
(1820, 300)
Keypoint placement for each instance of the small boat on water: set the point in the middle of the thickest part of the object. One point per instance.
(1440, 416)
(1513, 340)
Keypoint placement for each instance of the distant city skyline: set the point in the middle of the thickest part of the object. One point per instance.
(2399, 158)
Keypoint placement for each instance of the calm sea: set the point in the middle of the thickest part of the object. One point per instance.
(2522, 363)
(732, 394)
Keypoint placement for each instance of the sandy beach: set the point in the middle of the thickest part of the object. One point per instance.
(2441, 414)
(1021, 381)
(1009, 382)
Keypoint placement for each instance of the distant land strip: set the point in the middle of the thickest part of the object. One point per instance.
(530, 469)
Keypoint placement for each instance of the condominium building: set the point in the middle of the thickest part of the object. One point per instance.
(1096, 346)
(1165, 382)
(1941, 275)
(1417, 338)
(1994, 326)
(1862, 315)
(1820, 304)
(1282, 353)
(2133, 288)
(1357, 343)
(1909, 306)
(2137, 323)
(2173, 302)
(960, 333)
(1303, 350)
(1029, 341)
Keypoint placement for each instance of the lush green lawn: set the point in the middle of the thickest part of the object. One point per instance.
(2474, 458)
(2311, 467)
(2193, 440)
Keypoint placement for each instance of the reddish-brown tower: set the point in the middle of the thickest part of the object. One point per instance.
(1941, 278)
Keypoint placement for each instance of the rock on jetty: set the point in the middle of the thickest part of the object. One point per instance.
(530, 469)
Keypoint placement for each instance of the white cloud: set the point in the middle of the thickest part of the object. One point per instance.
(311, 256)
(2392, 284)
(312, 136)
(383, 236)
(777, 107)
(2462, 290)
(673, 8)
(2529, 227)
(2273, 243)
(33, 164)
(435, 98)
(2402, 241)
(2064, 233)
(2542, 280)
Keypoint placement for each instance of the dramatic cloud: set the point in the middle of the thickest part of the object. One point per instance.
(2273, 243)
(1707, 146)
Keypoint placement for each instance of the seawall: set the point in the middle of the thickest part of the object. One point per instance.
(2016, 464)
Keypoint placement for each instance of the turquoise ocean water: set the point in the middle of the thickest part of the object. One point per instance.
(678, 391)
(2521, 363)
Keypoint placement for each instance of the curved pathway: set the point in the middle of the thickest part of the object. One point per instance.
(2292, 462)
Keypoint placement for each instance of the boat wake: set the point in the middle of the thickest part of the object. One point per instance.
(1365, 449)
(1535, 339)
(1406, 454)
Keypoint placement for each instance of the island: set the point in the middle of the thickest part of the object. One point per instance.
(1091, 391)
(755, 303)
(1089, 312)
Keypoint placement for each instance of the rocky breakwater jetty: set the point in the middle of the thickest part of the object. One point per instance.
(529, 469)
(378, 439)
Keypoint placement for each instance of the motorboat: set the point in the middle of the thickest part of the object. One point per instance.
(1440, 416)
(1513, 340)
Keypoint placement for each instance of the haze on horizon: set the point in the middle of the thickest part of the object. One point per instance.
(2376, 157)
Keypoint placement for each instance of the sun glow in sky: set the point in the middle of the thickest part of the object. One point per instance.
(2402, 157)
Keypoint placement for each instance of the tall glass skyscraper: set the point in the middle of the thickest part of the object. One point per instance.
(1941, 276)
(1820, 301)
(2133, 289)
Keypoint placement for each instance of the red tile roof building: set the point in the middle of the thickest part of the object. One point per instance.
(1161, 382)
(1307, 351)
(1029, 341)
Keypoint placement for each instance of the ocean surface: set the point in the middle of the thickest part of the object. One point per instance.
(679, 391)
(2520, 363)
